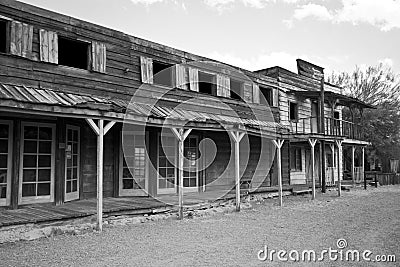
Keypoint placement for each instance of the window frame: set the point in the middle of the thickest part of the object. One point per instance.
(241, 89)
(89, 52)
(213, 82)
(7, 200)
(296, 111)
(270, 93)
(169, 67)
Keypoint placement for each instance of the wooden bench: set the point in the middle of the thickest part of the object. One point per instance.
(301, 190)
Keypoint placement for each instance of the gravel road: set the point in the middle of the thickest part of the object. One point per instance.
(367, 220)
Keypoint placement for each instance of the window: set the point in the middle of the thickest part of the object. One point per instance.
(267, 96)
(3, 36)
(293, 111)
(207, 83)
(236, 89)
(162, 74)
(295, 159)
(73, 53)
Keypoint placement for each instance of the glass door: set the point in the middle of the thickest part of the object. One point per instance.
(190, 168)
(167, 155)
(133, 165)
(72, 163)
(5, 162)
(37, 163)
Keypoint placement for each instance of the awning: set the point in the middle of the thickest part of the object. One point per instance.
(28, 99)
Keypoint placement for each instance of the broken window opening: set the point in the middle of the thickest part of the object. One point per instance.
(162, 74)
(73, 53)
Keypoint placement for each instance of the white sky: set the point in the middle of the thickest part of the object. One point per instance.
(256, 34)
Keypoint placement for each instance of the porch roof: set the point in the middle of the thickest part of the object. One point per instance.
(341, 99)
(34, 100)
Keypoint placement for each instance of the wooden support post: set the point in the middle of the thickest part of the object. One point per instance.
(332, 146)
(181, 135)
(339, 166)
(237, 137)
(353, 174)
(363, 167)
(100, 130)
(100, 161)
(312, 143)
(278, 144)
(323, 166)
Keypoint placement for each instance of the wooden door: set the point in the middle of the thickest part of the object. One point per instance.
(314, 117)
(190, 168)
(166, 164)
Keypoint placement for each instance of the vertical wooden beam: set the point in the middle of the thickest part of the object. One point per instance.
(100, 158)
(181, 135)
(332, 146)
(363, 167)
(340, 155)
(99, 131)
(17, 139)
(237, 137)
(278, 144)
(312, 143)
(353, 149)
(60, 162)
(323, 166)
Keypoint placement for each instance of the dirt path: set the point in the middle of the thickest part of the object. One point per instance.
(367, 220)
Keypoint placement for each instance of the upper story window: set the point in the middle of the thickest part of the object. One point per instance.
(207, 83)
(3, 36)
(236, 89)
(293, 111)
(163, 74)
(267, 96)
(73, 53)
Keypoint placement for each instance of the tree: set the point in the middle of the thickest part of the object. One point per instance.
(380, 87)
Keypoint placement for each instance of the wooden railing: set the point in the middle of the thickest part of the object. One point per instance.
(333, 127)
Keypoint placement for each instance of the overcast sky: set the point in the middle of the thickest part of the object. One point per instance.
(256, 34)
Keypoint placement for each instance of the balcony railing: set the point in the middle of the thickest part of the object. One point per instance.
(333, 127)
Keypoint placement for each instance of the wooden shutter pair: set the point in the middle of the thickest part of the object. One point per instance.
(21, 35)
(223, 86)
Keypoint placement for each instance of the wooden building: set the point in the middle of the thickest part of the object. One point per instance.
(66, 87)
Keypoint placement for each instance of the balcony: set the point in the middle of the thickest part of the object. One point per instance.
(333, 127)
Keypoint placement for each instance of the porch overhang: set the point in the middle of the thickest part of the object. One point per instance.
(340, 99)
(52, 103)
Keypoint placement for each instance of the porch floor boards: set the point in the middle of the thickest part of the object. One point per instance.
(47, 212)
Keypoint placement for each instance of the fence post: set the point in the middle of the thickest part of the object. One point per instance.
(376, 181)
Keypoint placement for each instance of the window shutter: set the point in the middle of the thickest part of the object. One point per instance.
(248, 92)
(275, 97)
(21, 39)
(194, 79)
(99, 57)
(256, 93)
(181, 77)
(146, 66)
(48, 46)
(227, 86)
(223, 85)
